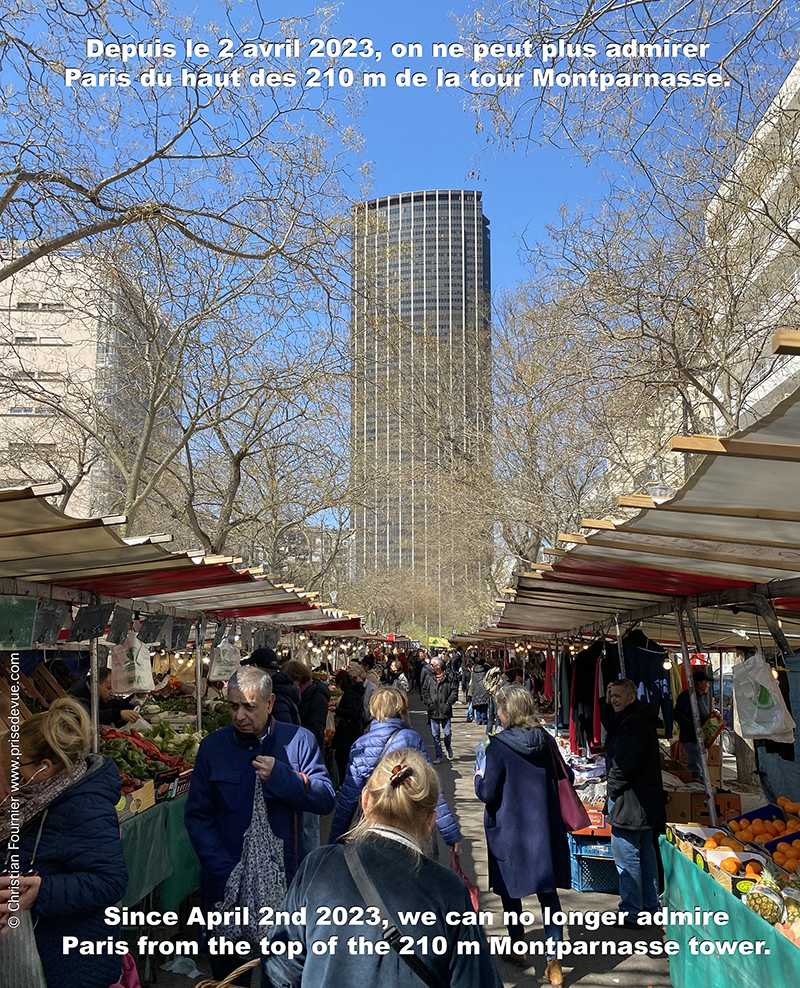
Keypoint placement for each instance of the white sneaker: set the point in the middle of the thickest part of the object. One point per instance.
(449, 756)
(437, 761)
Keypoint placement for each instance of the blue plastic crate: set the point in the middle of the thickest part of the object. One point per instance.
(594, 874)
(590, 846)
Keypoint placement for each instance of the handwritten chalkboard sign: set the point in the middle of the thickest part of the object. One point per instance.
(17, 617)
(50, 617)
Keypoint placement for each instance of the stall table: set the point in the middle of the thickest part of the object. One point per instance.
(687, 887)
(157, 852)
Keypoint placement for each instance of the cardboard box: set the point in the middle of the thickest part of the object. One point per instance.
(136, 802)
(691, 807)
(738, 885)
(679, 769)
(689, 840)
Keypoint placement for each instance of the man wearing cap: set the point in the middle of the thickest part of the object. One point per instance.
(284, 688)
(683, 715)
(255, 749)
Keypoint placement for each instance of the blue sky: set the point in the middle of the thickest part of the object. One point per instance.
(424, 139)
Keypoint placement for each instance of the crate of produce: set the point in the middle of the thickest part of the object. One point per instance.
(594, 874)
(589, 846)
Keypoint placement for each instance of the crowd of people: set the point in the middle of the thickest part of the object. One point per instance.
(360, 760)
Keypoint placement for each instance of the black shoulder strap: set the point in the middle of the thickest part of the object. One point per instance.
(390, 933)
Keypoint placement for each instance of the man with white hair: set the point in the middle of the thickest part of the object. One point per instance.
(282, 758)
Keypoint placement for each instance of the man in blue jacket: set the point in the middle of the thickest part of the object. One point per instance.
(287, 761)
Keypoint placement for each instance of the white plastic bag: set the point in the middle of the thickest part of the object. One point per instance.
(19, 959)
(759, 702)
(225, 660)
(131, 668)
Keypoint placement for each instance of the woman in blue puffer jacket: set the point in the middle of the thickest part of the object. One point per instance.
(388, 731)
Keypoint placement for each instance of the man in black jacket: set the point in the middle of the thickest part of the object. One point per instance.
(635, 795)
(287, 695)
(439, 693)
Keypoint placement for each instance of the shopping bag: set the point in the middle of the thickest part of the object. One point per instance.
(472, 888)
(573, 812)
(19, 958)
(259, 879)
(131, 668)
(225, 660)
(759, 702)
(130, 976)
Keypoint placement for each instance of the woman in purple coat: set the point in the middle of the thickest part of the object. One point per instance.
(525, 835)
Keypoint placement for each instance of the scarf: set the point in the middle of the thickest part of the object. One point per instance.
(34, 797)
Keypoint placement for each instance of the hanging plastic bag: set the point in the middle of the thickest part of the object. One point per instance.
(19, 957)
(759, 702)
(259, 879)
(131, 668)
(480, 756)
(225, 660)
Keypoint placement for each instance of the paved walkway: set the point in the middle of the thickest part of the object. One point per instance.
(587, 972)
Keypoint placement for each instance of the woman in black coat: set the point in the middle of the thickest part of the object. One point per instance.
(314, 699)
(349, 717)
(525, 835)
(480, 695)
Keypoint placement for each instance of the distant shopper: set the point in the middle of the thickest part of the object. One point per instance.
(314, 698)
(349, 718)
(635, 795)
(388, 731)
(114, 711)
(525, 835)
(480, 695)
(439, 693)
(683, 715)
(287, 695)
(396, 676)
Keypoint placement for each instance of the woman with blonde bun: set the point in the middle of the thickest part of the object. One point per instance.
(399, 804)
(68, 852)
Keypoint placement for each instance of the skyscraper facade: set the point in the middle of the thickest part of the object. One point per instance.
(421, 382)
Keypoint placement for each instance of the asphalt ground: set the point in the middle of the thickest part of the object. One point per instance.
(598, 971)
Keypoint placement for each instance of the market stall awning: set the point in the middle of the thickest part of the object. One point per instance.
(46, 551)
(733, 525)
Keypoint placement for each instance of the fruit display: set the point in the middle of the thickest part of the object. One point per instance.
(788, 806)
(765, 898)
(720, 839)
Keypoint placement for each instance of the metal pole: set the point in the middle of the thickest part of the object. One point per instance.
(687, 665)
(620, 649)
(199, 642)
(94, 672)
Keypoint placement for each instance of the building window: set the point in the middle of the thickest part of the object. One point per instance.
(24, 340)
(18, 410)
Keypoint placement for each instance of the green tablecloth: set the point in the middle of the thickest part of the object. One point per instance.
(687, 886)
(157, 850)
